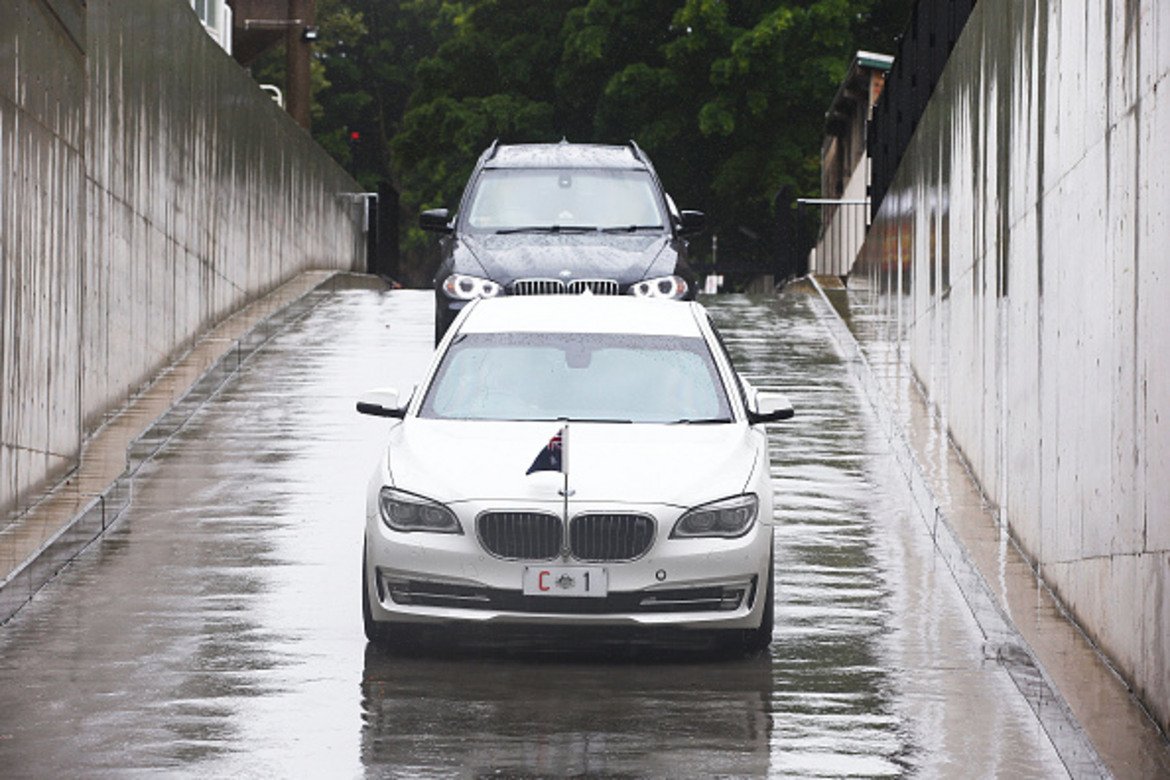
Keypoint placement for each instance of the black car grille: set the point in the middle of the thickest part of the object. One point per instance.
(531, 536)
(610, 537)
(558, 287)
(594, 537)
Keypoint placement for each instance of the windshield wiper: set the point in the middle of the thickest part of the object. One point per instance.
(547, 229)
(630, 228)
(700, 421)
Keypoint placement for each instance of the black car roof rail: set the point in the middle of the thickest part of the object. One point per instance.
(641, 157)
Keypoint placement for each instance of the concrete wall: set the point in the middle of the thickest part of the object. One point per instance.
(147, 190)
(1022, 259)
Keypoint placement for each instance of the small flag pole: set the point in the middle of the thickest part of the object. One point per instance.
(565, 491)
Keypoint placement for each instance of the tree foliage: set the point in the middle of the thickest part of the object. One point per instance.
(727, 96)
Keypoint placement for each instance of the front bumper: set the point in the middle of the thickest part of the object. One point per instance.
(707, 584)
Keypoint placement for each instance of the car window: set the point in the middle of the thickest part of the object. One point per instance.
(539, 376)
(540, 198)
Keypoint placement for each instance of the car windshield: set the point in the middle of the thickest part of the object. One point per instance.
(592, 377)
(513, 200)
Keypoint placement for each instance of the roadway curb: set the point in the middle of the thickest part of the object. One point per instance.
(1004, 643)
(104, 509)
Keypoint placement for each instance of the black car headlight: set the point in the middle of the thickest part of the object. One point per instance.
(672, 287)
(465, 288)
(404, 511)
(728, 517)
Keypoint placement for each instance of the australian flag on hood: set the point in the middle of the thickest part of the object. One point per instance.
(554, 456)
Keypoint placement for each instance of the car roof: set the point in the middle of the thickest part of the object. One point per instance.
(583, 314)
(564, 155)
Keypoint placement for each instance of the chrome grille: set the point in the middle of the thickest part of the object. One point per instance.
(557, 287)
(538, 287)
(610, 537)
(530, 536)
(595, 286)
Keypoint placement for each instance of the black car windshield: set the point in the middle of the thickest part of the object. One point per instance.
(595, 377)
(515, 200)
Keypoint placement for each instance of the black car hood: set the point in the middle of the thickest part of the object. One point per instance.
(506, 258)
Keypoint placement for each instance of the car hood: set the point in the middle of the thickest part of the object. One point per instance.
(684, 465)
(506, 258)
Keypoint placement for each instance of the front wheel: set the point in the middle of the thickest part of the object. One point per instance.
(375, 632)
(754, 641)
(392, 636)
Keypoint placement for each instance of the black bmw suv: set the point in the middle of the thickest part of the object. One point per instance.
(541, 219)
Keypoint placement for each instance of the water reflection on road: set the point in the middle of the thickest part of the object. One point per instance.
(216, 631)
(575, 715)
(835, 693)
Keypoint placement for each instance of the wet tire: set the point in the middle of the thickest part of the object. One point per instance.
(755, 641)
(389, 636)
(375, 631)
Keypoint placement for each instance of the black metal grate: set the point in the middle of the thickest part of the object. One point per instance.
(610, 537)
(529, 536)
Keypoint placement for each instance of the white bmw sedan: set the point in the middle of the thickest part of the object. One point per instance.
(574, 461)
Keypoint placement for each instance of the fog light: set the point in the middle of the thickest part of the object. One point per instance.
(399, 591)
(732, 598)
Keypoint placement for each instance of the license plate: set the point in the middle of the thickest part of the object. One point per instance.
(565, 581)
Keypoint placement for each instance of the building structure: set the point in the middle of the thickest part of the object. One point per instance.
(216, 16)
(844, 201)
(258, 25)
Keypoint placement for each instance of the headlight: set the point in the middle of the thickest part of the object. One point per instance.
(673, 287)
(465, 287)
(404, 511)
(730, 517)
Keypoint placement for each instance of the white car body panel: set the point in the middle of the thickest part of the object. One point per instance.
(620, 463)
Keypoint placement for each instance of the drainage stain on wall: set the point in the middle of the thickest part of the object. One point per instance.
(148, 189)
(1019, 259)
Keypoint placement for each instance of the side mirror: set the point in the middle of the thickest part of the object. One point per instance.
(381, 403)
(435, 220)
(770, 407)
(691, 222)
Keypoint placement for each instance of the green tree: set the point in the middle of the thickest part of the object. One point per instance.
(491, 76)
(342, 31)
(727, 96)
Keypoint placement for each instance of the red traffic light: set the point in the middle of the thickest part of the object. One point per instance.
(354, 135)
